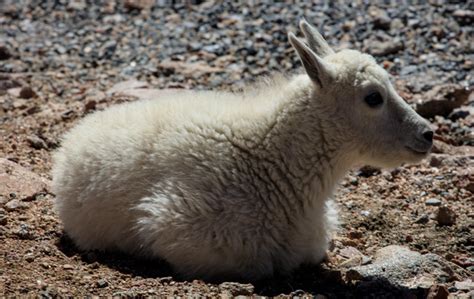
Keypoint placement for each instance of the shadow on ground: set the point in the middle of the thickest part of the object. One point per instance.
(314, 279)
(126, 264)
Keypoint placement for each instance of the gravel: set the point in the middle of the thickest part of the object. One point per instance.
(60, 60)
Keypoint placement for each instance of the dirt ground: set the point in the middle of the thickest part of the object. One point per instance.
(57, 64)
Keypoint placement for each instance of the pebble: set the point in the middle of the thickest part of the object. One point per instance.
(4, 53)
(445, 216)
(29, 257)
(32, 44)
(15, 205)
(36, 142)
(138, 4)
(470, 187)
(102, 283)
(386, 48)
(433, 202)
(27, 92)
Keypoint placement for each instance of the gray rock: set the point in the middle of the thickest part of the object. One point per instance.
(433, 202)
(24, 232)
(405, 268)
(466, 285)
(15, 205)
(386, 48)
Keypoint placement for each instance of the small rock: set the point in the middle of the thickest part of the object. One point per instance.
(102, 283)
(27, 92)
(236, 289)
(349, 252)
(441, 100)
(15, 179)
(436, 161)
(166, 279)
(69, 114)
(470, 187)
(36, 142)
(89, 106)
(445, 216)
(24, 232)
(14, 92)
(4, 53)
(68, 267)
(464, 16)
(459, 113)
(355, 235)
(423, 219)
(382, 20)
(77, 5)
(29, 257)
(15, 205)
(368, 171)
(406, 268)
(466, 285)
(433, 202)
(386, 48)
(138, 4)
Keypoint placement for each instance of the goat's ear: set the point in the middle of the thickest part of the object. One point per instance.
(317, 69)
(316, 41)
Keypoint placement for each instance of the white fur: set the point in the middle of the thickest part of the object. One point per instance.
(229, 185)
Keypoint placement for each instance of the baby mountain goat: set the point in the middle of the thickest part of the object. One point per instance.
(230, 185)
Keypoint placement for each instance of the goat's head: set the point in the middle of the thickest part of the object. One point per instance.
(379, 127)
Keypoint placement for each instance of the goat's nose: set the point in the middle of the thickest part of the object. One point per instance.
(428, 135)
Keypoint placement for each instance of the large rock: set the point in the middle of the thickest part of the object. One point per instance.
(19, 182)
(407, 269)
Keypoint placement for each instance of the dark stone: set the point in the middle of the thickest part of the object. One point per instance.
(4, 53)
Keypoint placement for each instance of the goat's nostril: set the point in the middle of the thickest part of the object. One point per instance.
(428, 135)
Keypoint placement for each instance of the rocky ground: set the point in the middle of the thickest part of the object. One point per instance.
(405, 232)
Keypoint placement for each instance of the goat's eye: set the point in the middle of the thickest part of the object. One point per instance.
(374, 99)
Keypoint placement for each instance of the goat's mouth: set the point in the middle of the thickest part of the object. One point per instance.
(418, 152)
